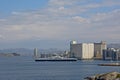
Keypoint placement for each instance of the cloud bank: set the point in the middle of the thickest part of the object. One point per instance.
(82, 20)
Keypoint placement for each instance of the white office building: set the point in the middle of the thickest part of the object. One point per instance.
(82, 50)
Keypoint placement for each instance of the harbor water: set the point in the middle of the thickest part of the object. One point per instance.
(25, 68)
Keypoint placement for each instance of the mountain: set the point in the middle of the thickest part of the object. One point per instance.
(114, 45)
(21, 51)
(9, 54)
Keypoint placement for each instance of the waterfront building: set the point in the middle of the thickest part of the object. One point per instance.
(35, 52)
(81, 50)
(111, 54)
(118, 54)
(98, 49)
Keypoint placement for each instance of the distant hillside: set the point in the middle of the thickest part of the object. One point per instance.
(21, 51)
(117, 45)
(29, 52)
(9, 54)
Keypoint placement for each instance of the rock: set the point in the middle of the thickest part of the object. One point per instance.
(90, 78)
(106, 76)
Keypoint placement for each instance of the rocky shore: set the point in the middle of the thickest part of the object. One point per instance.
(105, 76)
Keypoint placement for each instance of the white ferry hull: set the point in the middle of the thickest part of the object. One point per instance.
(64, 59)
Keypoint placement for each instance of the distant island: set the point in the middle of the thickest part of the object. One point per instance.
(9, 54)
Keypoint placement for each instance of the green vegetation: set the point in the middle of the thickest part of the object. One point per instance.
(118, 76)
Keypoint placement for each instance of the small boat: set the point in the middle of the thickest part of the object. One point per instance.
(110, 64)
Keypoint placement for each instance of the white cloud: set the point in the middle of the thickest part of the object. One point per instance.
(59, 22)
(62, 2)
(80, 19)
(61, 8)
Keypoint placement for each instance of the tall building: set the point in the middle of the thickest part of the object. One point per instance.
(72, 43)
(111, 54)
(98, 49)
(82, 50)
(35, 52)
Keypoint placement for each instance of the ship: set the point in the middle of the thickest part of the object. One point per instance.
(56, 59)
(51, 58)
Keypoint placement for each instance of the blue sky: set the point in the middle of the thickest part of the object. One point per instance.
(54, 23)
(8, 6)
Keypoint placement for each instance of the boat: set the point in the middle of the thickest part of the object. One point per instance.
(56, 59)
(110, 64)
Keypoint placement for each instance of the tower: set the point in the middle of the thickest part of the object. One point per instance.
(35, 52)
(71, 48)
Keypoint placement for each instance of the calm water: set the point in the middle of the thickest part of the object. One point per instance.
(25, 68)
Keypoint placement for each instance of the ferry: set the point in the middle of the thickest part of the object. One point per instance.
(56, 59)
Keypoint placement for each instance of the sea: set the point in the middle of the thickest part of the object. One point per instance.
(25, 68)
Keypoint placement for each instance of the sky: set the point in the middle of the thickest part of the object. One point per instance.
(54, 23)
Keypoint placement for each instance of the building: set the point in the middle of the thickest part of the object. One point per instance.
(98, 49)
(82, 50)
(35, 52)
(111, 54)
